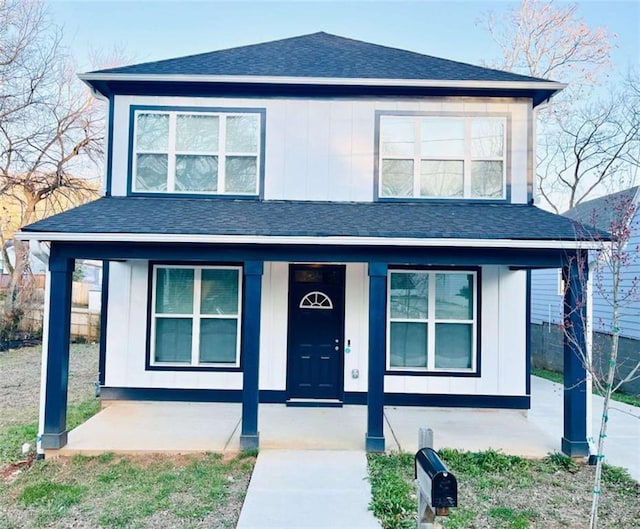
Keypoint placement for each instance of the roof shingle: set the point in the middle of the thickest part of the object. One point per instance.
(211, 216)
(320, 55)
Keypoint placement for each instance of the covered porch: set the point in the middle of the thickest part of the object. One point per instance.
(419, 243)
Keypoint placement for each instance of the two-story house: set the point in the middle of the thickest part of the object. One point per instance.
(315, 220)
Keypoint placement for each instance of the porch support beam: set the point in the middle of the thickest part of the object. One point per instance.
(252, 294)
(53, 433)
(575, 274)
(377, 348)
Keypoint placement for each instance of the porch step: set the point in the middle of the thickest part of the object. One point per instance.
(315, 403)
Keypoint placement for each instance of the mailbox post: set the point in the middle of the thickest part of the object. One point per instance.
(437, 487)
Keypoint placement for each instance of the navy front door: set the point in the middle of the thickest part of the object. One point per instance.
(316, 331)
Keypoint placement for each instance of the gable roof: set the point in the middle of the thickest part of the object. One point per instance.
(318, 58)
(113, 218)
(603, 212)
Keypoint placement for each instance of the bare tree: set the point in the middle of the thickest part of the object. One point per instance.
(582, 145)
(51, 131)
(612, 268)
(550, 41)
(591, 149)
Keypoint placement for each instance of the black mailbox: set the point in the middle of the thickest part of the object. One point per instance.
(436, 483)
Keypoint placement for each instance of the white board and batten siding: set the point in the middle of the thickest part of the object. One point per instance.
(323, 149)
(502, 354)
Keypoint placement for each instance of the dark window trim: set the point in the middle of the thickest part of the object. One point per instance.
(454, 114)
(477, 373)
(148, 366)
(262, 112)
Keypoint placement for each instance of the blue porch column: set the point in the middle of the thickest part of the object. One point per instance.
(575, 274)
(54, 422)
(252, 294)
(377, 349)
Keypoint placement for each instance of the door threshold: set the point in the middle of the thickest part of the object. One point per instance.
(314, 403)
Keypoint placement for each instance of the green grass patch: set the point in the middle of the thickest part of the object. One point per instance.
(554, 376)
(499, 491)
(13, 437)
(114, 491)
(510, 518)
(391, 478)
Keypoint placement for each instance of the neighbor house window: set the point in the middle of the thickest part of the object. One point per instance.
(196, 315)
(198, 152)
(431, 320)
(442, 157)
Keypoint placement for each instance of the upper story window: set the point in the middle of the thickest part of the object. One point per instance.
(215, 153)
(442, 157)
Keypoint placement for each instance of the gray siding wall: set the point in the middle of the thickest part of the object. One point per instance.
(546, 304)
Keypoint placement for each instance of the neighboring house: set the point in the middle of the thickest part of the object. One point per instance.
(546, 292)
(36, 265)
(314, 221)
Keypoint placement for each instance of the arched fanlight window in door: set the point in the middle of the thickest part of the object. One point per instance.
(316, 300)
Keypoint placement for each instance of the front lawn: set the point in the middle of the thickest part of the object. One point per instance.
(197, 491)
(110, 491)
(496, 491)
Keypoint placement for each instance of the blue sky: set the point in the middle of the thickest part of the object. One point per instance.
(152, 30)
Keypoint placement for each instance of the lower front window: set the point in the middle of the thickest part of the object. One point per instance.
(195, 313)
(432, 321)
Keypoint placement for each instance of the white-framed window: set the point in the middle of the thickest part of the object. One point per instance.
(442, 157)
(432, 320)
(196, 315)
(215, 153)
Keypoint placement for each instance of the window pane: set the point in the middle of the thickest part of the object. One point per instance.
(151, 172)
(486, 179)
(487, 138)
(197, 133)
(173, 340)
(442, 137)
(408, 344)
(219, 294)
(441, 178)
(397, 178)
(241, 174)
(174, 291)
(196, 173)
(242, 133)
(453, 345)
(454, 296)
(409, 295)
(152, 132)
(218, 340)
(397, 136)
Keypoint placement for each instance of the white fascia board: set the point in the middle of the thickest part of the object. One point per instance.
(307, 240)
(251, 79)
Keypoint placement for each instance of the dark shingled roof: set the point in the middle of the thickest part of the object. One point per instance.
(211, 216)
(320, 55)
(605, 212)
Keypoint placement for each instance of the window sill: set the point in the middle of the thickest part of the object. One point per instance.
(198, 368)
(424, 373)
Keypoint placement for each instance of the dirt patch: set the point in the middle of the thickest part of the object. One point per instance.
(20, 381)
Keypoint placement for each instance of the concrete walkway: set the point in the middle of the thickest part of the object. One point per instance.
(315, 489)
(622, 445)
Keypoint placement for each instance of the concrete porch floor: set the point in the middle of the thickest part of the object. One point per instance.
(180, 427)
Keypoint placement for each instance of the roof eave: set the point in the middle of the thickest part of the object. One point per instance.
(310, 240)
(540, 91)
